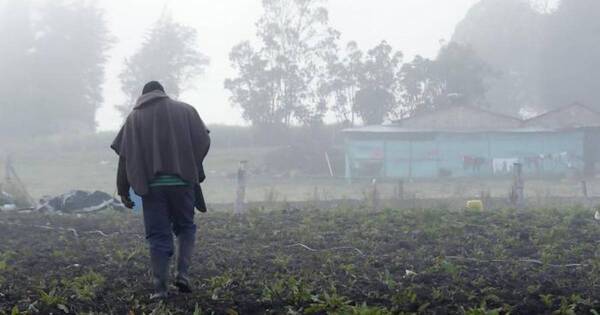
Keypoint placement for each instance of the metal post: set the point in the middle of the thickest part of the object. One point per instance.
(348, 167)
(410, 160)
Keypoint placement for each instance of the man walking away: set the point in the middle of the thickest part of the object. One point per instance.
(161, 148)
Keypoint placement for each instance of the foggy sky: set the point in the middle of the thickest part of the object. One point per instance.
(412, 26)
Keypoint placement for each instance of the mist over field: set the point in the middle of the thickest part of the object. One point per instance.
(366, 157)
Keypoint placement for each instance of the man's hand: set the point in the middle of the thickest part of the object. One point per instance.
(127, 202)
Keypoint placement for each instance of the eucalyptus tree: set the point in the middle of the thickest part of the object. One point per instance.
(280, 78)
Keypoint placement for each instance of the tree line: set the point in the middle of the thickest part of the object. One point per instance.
(53, 60)
(52, 67)
(296, 73)
(543, 56)
(518, 57)
(506, 55)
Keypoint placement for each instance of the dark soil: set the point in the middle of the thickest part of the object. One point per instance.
(310, 261)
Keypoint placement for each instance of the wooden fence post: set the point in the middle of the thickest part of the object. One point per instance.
(374, 196)
(517, 196)
(240, 198)
(585, 193)
(400, 193)
(584, 189)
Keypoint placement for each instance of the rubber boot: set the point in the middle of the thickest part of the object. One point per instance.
(160, 274)
(185, 250)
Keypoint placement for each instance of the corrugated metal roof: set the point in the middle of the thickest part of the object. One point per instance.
(574, 116)
(467, 119)
(397, 129)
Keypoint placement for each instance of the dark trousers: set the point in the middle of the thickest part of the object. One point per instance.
(168, 210)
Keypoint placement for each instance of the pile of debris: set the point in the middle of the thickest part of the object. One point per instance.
(15, 197)
(76, 201)
(79, 201)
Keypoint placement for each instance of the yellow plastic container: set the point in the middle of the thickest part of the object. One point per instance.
(475, 205)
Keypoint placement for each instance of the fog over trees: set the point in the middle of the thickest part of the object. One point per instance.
(456, 77)
(509, 56)
(542, 60)
(170, 52)
(364, 157)
(52, 66)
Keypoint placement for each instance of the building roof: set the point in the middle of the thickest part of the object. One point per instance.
(468, 119)
(394, 129)
(461, 118)
(569, 117)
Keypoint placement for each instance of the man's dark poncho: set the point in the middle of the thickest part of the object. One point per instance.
(162, 136)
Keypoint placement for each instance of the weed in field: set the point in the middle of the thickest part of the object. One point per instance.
(547, 299)
(363, 309)
(277, 262)
(387, 279)
(85, 287)
(566, 308)
(53, 299)
(330, 303)
(483, 310)
(219, 286)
